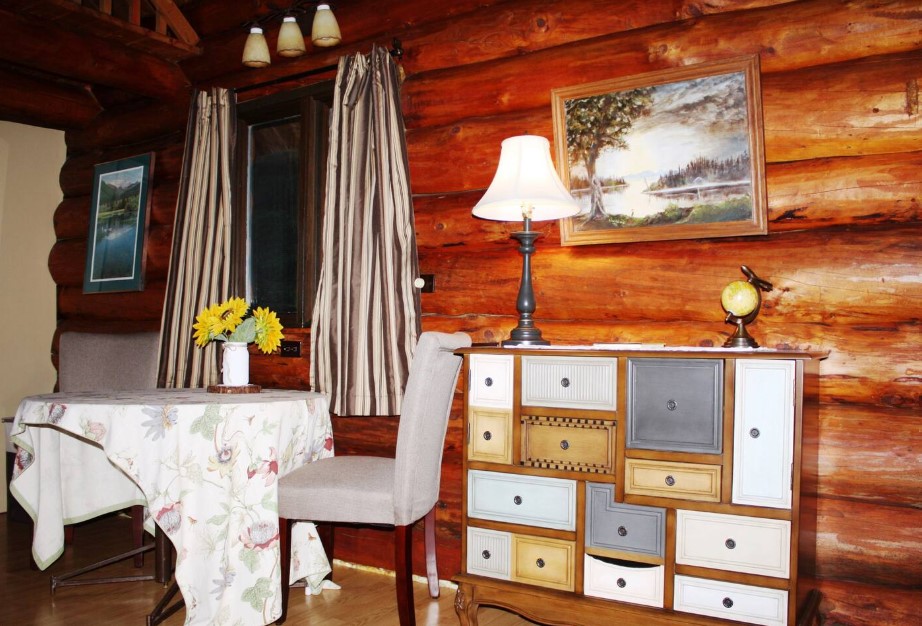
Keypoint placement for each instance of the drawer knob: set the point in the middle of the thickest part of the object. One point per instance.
(670, 481)
(564, 382)
(540, 563)
(621, 583)
(564, 445)
(754, 433)
(488, 382)
(517, 499)
(487, 435)
(730, 544)
(728, 603)
(671, 405)
(486, 555)
(622, 531)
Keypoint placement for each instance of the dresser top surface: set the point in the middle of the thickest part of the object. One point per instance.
(632, 349)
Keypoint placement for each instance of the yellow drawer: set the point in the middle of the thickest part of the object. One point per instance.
(490, 434)
(544, 562)
(666, 479)
(582, 445)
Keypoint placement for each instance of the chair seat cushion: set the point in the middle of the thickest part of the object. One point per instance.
(352, 489)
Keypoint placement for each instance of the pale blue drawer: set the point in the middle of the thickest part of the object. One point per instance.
(516, 499)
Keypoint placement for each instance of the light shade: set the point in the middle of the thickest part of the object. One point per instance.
(325, 30)
(291, 41)
(525, 179)
(256, 50)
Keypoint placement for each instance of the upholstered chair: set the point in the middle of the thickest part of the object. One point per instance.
(106, 362)
(393, 492)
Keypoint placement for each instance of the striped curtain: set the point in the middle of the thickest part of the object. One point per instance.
(200, 264)
(366, 317)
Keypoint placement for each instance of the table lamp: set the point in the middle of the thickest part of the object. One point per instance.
(525, 187)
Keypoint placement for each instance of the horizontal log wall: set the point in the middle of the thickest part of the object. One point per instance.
(840, 83)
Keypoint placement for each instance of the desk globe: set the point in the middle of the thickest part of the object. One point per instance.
(741, 300)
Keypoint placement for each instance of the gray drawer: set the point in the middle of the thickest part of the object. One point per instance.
(622, 527)
(675, 404)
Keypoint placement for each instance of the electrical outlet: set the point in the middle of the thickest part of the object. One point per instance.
(428, 283)
(291, 348)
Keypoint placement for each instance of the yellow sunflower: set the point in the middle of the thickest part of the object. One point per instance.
(231, 313)
(207, 325)
(268, 330)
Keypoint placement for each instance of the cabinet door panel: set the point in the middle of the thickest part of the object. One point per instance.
(490, 435)
(543, 561)
(490, 381)
(489, 552)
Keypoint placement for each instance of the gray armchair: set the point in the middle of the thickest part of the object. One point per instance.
(395, 492)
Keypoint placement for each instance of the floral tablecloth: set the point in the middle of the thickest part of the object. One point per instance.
(207, 465)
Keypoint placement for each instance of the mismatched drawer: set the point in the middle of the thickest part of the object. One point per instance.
(575, 444)
(743, 603)
(675, 404)
(490, 381)
(612, 579)
(544, 562)
(689, 481)
(490, 433)
(623, 527)
(517, 499)
(489, 552)
(569, 382)
(733, 542)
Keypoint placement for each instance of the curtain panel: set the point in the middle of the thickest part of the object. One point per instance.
(366, 316)
(200, 263)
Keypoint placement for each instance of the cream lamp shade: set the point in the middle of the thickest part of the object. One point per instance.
(291, 41)
(256, 50)
(525, 179)
(325, 29)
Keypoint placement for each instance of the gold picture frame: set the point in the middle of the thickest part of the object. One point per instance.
(671, 154)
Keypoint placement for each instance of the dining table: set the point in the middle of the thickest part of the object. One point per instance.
(205, 465)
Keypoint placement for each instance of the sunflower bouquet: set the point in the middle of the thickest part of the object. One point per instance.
(233, 321)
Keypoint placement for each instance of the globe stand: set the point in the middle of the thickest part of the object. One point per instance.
(741, 338)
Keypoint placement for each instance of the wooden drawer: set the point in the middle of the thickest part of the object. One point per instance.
(517, 499)
(490, 381)
(489, 552)
(743, 603)
(623, 527)
(689, 481)
(675, 404)
(574, 444)
(733, 542)
(543, 561)
(763, 425)
(637, 583)
(570, 382)
(490, 432)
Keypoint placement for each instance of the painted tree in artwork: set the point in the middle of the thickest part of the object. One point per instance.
(599, 122)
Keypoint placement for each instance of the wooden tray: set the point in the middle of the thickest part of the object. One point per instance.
(234, 388)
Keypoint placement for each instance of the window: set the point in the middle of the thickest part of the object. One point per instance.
(282, 147)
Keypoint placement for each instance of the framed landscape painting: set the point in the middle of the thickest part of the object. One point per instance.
(118, 224)
(673, 154)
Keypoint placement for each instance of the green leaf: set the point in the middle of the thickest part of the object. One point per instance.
(206, 424)
(250, 558)
(257, 595)
(245, 332)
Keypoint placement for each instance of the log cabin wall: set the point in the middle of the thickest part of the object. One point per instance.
(840, 95)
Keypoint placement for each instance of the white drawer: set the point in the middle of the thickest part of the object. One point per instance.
(733, 542)
(529, 500)
(490, 381)
(763, 425)
(639, 585)
(488, 552)
(569, 382)
(743, 603)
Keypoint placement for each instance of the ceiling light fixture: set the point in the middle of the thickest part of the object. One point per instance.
(324, 32)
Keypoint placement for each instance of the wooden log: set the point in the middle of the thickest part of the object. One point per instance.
(848, 603)
(43, 103)
(128, 125)
(111, 308)
(77, 173)
(41, 45)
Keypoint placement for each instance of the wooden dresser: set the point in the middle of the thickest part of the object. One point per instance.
(639, 485)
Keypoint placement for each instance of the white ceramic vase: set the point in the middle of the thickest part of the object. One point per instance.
(235, 364)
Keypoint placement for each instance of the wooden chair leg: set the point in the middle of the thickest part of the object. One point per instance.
(285, 526)
(403, 568)
(69, 532)
(137, 532)
(432, 569)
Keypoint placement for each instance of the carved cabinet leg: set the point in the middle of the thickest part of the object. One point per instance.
(465, 606)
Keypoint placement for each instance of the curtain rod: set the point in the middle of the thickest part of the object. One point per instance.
(396, 51)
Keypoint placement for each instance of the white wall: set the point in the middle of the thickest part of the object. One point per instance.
(30, 165)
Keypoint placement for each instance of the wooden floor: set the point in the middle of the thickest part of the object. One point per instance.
(367, 598)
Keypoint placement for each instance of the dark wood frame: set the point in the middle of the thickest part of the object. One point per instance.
(141, 167)
(570, 232)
